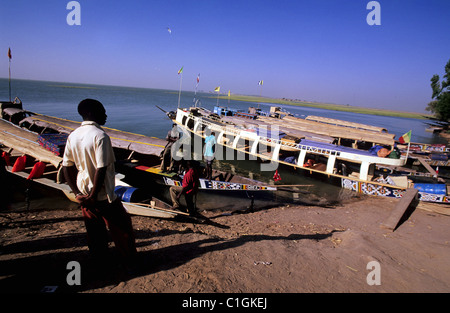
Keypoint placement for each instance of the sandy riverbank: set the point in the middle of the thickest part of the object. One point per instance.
(295, 249)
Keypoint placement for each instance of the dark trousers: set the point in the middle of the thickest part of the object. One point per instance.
(167, 160)
(116, 218)
(190, 202)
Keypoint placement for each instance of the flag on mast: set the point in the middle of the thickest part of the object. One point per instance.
(406, 138)
(9, 53)
(198, 78)
(260, 83)
(217, 89)
(180, 71)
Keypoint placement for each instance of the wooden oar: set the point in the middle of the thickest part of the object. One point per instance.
(158, 208)
(288, 185)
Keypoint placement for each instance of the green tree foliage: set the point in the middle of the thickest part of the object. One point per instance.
(440, 105)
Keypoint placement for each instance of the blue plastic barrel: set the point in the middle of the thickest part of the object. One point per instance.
(437, 189)
(126, 197)
(119, 190)
(125, 193)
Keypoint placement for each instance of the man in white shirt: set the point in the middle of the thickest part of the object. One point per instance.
(88, 165)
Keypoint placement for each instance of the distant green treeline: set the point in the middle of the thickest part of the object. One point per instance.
(326, 106)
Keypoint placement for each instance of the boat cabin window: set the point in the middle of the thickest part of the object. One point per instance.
(364, 145)
(190, 123)
(202, 130)
(265, 150)
(345, 142)
(288, 156)
(244, 144)
(349, 169)
(315, 161)
(227, 139)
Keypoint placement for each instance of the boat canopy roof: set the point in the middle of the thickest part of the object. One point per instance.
(26, 142)
(12, 111)
(337, 122)
(332, 130)
(319, 126)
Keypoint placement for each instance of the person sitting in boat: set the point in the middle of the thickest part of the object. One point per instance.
(166, 159)
(209, 151)
(395, 153)
(379, 151)
(188, 188)
(291, 159)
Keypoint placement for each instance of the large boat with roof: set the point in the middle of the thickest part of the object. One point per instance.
(353, 156)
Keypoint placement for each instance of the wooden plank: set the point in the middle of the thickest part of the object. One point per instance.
(427, 166)
(400, 209)
(148, 210)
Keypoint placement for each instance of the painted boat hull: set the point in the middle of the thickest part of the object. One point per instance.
(212, 195)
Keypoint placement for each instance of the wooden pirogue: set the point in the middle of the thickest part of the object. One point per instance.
(120, 139)
(138, 159)
(26, 142)
(22, 143)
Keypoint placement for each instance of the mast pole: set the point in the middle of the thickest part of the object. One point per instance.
(9, 70)
(181, 80)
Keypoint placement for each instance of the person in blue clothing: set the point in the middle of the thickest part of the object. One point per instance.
(209, 151)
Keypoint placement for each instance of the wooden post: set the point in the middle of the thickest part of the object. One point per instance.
(400, 209)
(427, 166)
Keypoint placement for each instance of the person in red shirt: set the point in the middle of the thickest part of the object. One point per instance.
(189, 188)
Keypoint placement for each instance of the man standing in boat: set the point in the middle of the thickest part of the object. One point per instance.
(167, 160)
(88, 165)
(209, 150)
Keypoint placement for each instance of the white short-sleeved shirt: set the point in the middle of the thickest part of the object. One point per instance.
(88, 147)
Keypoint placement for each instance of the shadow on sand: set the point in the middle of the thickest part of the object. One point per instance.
(47, 266)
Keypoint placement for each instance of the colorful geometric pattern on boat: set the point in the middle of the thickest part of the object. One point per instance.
(385, 191)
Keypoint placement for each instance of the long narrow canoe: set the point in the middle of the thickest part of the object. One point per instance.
(119, 139)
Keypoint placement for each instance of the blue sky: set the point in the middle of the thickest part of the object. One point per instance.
(312, 50)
